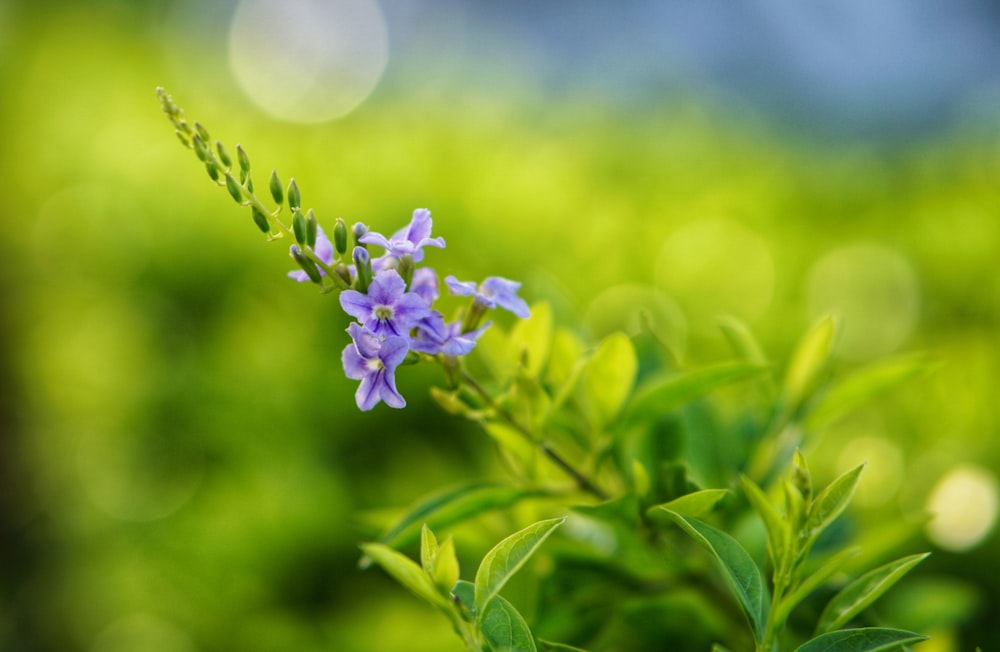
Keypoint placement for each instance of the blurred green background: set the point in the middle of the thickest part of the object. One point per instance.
(182, 465)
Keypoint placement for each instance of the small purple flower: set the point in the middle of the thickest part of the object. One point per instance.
(323, 250)
(434, 336)
(494, 291)
(409, 240)
(373, 361)
(425, 283)
(387, 309)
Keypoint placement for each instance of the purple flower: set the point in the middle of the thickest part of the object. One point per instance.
(409, 240)
(434, 336)
(492, 292)
(323, 250)
(425, 283)
(387, 309)
(373, 361)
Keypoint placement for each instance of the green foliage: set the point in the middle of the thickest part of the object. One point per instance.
(869, 639)
(859, 594)
(507, 557)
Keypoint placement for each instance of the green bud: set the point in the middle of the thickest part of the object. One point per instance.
(359, 230)
(223, 154)
(181, 137)
(294, 198)
(241, 154)
(199, 148)
(299, 227)
(311, 228)
(260, 220)
(363, 264)
(308, 266)
(344, 273)
(340, 237)
(801, 477)
(234, 188)
(244, 176)
(202, 132)
(212, 171)
(276, 193)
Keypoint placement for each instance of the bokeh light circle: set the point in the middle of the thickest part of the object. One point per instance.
(308, 61)
(964, 506)
(874, 290)
(714, 267)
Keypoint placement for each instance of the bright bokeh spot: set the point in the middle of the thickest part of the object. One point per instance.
(874, 290)
(308, 61)
(716, 267)
(964, 508)
(883, 475)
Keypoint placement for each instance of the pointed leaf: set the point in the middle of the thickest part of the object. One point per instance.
(814, 581)
(445, 570)
(778, 531)
(608, 377)
(859, 594)
(866, 639)
(405, 571)
(808, 361)
(832, 501)
(694, 504)
(428, 548)
(530, 340)
(671, 392)
(504, 628)
(507, 557)
(865, 384)
(738, 568)
(742, 340)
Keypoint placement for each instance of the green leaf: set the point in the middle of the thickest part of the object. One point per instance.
(738, 568)
(621, 510)
(866, 639)
(405, 571)
(859, 594)
(832, 501)
(778, 531)
(564, 358)
(428, 549)
(445, 570)
(449, 507)
(549, 646)
(608, 377)
(530, 340)
(507, 557)
(814, 581)
(863, 385)
(671, 392)
(808, 361)
(742, 340)
(504, 628)
(694, 504)
(465, 592)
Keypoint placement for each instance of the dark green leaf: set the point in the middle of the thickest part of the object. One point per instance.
(868, 639)
(859, 594)
(738, 568)
(507, 557)
(466, 594)
(671, 392)
(504, 628)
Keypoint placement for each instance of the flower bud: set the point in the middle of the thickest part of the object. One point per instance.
(363, 262)
(199, 148)
(234, 189)
(344, 273)
(406, 266)
(308, 266)
(260, 220)
(181, 137)
(311, 228)
(340, 237)
(299, 227)
(202, 132)
(359, 230)
(241, 154)
(249, 183)
(276, 193)
(294, 198)
(212, 171)
(223, 154)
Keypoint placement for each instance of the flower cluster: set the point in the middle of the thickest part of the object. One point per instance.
(392, 301)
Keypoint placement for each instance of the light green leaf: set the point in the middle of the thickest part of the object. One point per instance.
(405, 571)
(507, 557)
(531, 339)
(608, 377)
(778, 531)
(671, 392)
(449, 507)
(866, 639)
(528, 402)
(738, 568)
(808, 362)
(832, 501)
(445, 570)
(564, 358)
(865, 384)
(859, 594)
(504, 628)
(694, 504)
(428, 548)
(742, 340)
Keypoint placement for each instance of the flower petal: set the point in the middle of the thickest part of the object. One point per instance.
(386, 288)
(393, 351)
(420, 226)
(375, 238)
(387, 389)
(503, 292)
(355, 366)
(323, 247)
(357, 305)
(368, 393)
(365, 341)
(460, 288)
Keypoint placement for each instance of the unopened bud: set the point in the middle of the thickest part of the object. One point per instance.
(801, 476)
(363, 263)
(241, 154)
(294, 198)
(181, 137)
(275, 184)
(311, 228)
(359, 230)
(249, 183)
(260, 220)
(212, 171)
(234, 189)
(299, 227)
(344, 273)
(199, 148)
(202, 132)
(340, 237)
(406, 268)
(223, 154)
(308, 266)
